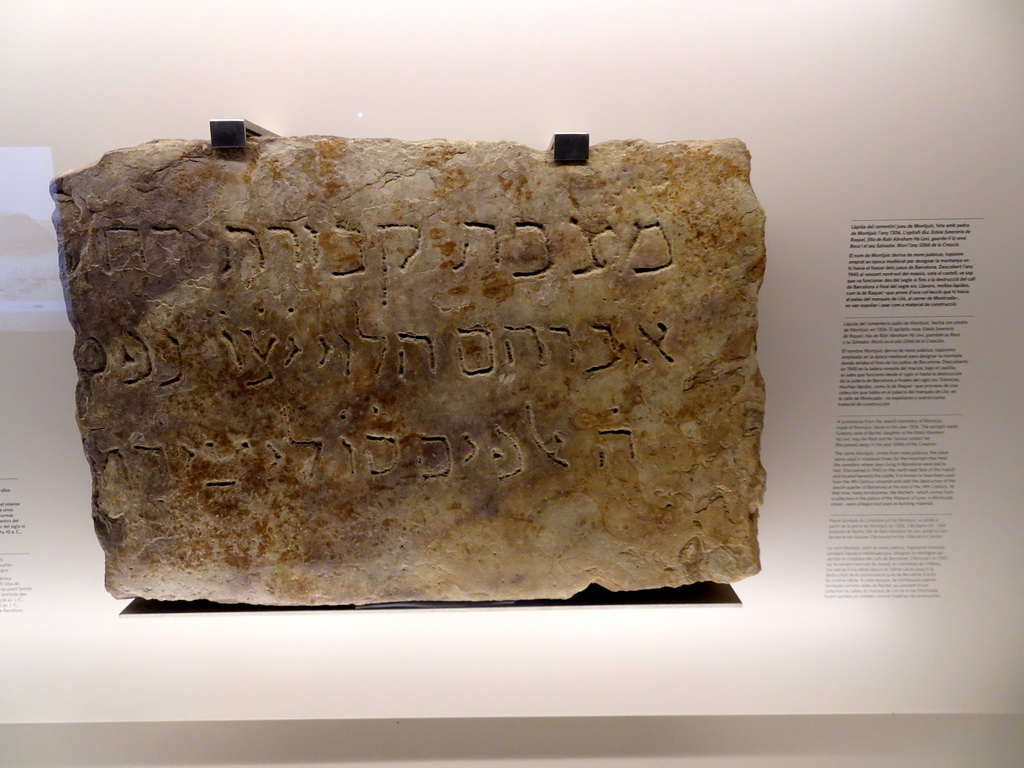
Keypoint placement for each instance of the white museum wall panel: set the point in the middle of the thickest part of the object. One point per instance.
(878, 115)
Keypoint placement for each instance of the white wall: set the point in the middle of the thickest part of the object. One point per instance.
(852, 110)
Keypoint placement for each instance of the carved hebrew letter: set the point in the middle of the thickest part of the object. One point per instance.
(232, 352)
(531, 349)
(601, 350)
(292, 351)
(573, 247)
(616, 445)
(334, 350)
(341, 251)
(348, 457)
(479, 245)
(165, 247)
(655, 336)
(470, 447)
(476, 351)
(124, 250)
(134, 358)
(261, 346)
(311, 462)
(650, 252)
(114, 475)
(381, 454)
(149, 462)
(551, 445)
(424, 344)
(378, 346)
(243, 254)
(435, 459)
(281, 247)
(526, 252)
(609, 247)
(560, 345)
(90, 356)
(401, 244)
(506, 453)
(169, 361)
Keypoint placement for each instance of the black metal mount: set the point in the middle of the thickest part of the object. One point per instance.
(571, 148)
(232, 134)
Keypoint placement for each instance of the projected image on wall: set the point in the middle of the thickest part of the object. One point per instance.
(29, 280)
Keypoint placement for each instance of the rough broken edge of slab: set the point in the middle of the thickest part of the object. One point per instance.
(736, 152)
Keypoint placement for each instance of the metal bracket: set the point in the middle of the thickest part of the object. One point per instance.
(570, 148)
(232, 134)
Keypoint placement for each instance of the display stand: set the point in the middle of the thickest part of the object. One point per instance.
(570, 148)
(702, 593)
(233, 134)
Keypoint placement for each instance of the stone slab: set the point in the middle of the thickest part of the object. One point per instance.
(332, 371)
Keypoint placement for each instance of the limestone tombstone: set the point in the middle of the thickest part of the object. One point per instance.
(330, 371)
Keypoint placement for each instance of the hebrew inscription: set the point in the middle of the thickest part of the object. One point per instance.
(331, 371)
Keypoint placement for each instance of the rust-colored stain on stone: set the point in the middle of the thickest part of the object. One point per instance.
(333, 371)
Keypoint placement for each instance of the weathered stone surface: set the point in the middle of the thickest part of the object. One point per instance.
(326, 371)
